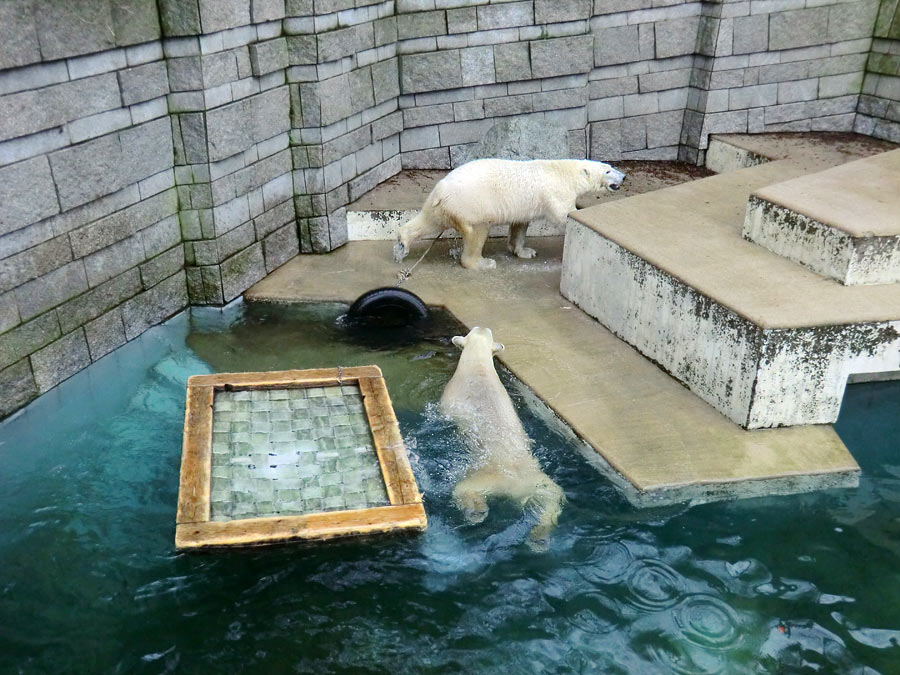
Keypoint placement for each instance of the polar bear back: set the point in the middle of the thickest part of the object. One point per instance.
(478, 403)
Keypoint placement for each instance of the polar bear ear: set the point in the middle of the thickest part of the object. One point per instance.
(459, 341)
(498, 347)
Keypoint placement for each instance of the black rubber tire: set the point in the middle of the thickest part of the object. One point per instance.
(388, 306)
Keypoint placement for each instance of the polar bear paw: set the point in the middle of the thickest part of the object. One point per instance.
(525, 252)
(475, 515)
(472, 504)
(479, 263)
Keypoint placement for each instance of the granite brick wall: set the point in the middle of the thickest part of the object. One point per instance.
(145, 164)
(344, 82)
(161, 153)
(229, 107)
(629, 79)
(463, 67)
(776, 65)
(90, 244)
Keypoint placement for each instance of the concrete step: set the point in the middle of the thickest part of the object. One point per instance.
(383, 225)
(843, 223)
(767, 342)
(377, 214)
(728, 153)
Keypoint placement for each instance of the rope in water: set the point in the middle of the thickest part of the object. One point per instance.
(406, 272)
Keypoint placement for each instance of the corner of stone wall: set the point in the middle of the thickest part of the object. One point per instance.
(229, 105)
(345, 126)
(878, 113)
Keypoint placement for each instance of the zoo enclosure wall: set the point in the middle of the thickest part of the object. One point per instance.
(161, 153)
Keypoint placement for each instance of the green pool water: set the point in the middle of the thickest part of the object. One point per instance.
(90, 581)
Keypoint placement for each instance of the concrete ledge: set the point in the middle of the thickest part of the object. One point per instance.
(765, 341)
(827, 250)
(757, 377)
(843, 223)
(376, 225)
(383, 225)
(724, 155)
(713, 488)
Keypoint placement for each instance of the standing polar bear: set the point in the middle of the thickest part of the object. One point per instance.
(500, 451)
(487, 192)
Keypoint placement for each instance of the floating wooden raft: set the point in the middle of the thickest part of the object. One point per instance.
(292, 455)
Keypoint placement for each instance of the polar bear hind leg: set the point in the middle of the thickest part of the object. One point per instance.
(473, 242)
(516, 242)
(470, 495)
(546, 503)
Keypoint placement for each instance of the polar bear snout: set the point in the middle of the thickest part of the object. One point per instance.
(613, 179)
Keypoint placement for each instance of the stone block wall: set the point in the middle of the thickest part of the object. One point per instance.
(229, 106)
(633, 79)
(878, 113)
(145, 165)
(464, 67)
(161, 153)
(345, 136)
(777, 65)
(90, 243)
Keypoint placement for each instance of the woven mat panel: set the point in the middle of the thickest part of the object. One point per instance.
(292, 452)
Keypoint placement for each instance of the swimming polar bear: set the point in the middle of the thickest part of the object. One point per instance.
(487, 192)
(501, 460)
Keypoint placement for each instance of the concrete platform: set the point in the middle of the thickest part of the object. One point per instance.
(656, 440)
(767, 342)
(843, 223)
(730, 152)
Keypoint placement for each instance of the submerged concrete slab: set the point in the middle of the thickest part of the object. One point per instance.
(767, 342)
(648, 433)
(843, 223)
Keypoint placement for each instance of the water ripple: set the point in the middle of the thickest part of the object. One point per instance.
(707, 622)
(607, 563)
(683, 659)
(653, 585)
(592, 612)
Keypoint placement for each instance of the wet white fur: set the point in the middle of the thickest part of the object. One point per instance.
(501, 462)
(487, 192)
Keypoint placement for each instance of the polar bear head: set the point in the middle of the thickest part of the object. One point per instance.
(602, 176)
(478, 338)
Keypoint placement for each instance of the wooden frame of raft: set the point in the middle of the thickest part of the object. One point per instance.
(195, 530)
